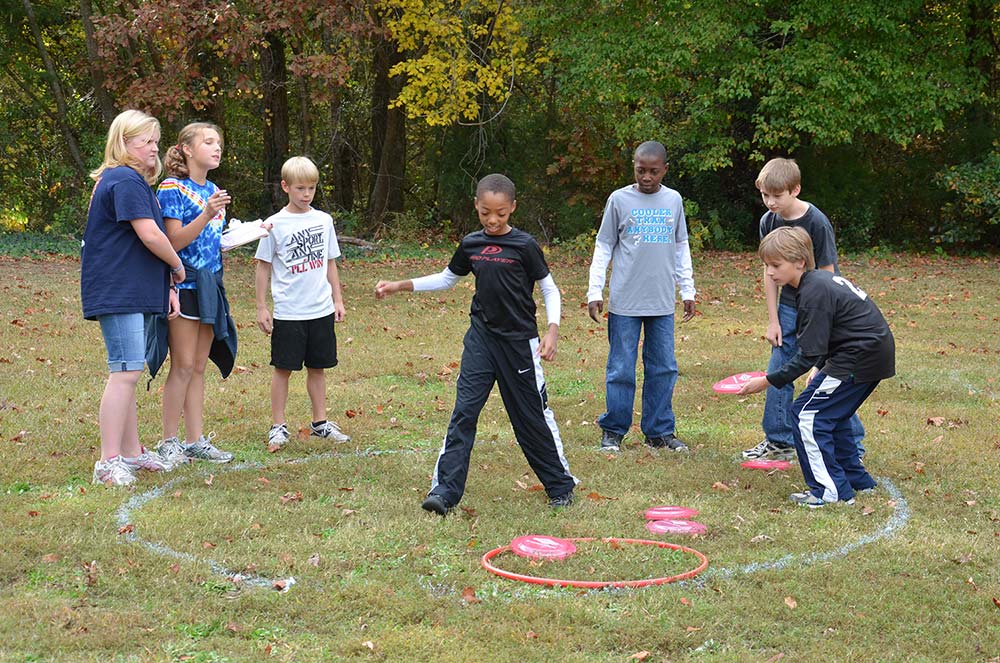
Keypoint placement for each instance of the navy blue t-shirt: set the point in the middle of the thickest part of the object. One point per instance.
(506, 268)
(118, 272)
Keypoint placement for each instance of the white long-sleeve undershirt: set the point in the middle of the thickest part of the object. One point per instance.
(446, 279)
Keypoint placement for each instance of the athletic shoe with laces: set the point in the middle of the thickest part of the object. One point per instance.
(768, 449)
(147, 460)
(171, 452)
(667, 442)
(277, 437)
(203, 449)
(435, 504)
(113, 472)
(611, 441)
(329, 429)
(813, 502)
(561, 500)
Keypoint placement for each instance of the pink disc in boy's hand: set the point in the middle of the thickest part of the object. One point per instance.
(675, 527)
(540, 546)
(765, 464)
(735, 382)
(670, 512)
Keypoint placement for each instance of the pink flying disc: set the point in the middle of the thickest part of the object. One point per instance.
(670, 512)
(541, 546)
(764, 464)
(735, 382)
(675, 527)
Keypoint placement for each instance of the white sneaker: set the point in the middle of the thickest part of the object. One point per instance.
(329, 429)
(277, 437)
(147, 460)
(768, 449)
(203, 449)
(113, 472)
(171, 451)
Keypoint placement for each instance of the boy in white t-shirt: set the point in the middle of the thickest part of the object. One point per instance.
(298, 259)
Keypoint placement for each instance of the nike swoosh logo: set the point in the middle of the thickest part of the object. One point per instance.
(523, 370)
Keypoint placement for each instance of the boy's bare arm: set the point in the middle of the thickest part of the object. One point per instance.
(547, 346)
(262, 283)
(333, 276)
(773, 334)
(385, 288)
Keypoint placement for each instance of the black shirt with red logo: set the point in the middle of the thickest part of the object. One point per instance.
(506, 268)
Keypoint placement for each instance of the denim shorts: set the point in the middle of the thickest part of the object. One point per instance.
(125, 339)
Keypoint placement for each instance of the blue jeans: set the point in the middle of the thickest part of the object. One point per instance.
(125, 340)
(777, 421)
(659, 368)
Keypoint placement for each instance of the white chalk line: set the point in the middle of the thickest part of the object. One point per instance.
(897, 520)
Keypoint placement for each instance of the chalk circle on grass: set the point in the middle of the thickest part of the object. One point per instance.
(675, 526)
(539, 546)
(670, 512)
(735, 382)
(600, 584)
(767, 464)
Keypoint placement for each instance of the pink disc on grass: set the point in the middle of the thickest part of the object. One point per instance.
(539, 546)
(670, 512)
(765, 464)
(735, 382)
(674, 526)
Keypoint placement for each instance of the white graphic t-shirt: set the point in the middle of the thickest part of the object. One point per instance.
(299, 248)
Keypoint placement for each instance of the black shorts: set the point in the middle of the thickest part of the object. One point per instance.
(189, 303)
(313, 342)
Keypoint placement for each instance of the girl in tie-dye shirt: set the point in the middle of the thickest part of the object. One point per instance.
(194, 213)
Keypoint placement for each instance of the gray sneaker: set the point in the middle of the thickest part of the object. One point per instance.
(147, 460)
(277, 437)
(331, 430)
(171, 452)
(611, 441)
(670, 442)
(768, 449)
(113, 472)
(203, 449)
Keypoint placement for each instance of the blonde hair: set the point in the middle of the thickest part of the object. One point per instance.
(300, 170)
(126, 126)
(175, 161)
(788, 243)
(779, 175)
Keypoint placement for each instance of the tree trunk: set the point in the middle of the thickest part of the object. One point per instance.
(388, 138)
(62, 110)
(343, 162)
(104, 101)
(274, 82)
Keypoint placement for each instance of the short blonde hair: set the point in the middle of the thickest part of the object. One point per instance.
(779, 175)
(175, 161)
(788, 243)
(300, 170)
(126, 126)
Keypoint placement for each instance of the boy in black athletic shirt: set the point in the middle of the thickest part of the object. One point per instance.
(501, 346)
(843, 332)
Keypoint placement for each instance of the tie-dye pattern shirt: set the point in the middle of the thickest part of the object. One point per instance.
(184, 199)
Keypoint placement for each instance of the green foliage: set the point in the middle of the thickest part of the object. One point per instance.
(977, 189)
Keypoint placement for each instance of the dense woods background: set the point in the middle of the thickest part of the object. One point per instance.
(890, 108)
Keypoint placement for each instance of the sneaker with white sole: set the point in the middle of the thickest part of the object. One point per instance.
(113, 472)
(203, 449)
(668, 441)
(611, 442)
(171, 451)
(147, 460)
(329, 429)
(277, 437)
(813, 502)
(770, 450)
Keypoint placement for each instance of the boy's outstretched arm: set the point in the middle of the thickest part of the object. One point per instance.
(385, 288)
(262, 282)
(443, 280)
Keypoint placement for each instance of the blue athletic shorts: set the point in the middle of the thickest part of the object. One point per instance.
(125, 339)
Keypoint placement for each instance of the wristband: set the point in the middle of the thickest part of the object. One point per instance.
(177, 269)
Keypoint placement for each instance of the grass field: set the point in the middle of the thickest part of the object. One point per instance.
(909, 573)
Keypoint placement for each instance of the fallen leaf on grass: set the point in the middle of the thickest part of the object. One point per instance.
(867, 511)
(685, 601)
(972, 582)
(264, 480)
(775, 658)
(174, 568)
(210, 479)
(350, 414)
(303, 433)
(369, 644)
(126, 529)
(791, 603)
(996, 602)
(721, 487)
(51, 557)
(314, 559)
(530, 635)
(640, 656)
(692, 629)
(207, 545)
(935, 421)
(291, 497)
(274, 447)
(469, 595)
(33, 514)
(597, 497)
(535, 488)
(761, 538)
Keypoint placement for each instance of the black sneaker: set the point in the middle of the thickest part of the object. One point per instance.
(435, 504)
(667, 442)
(561, 500)
(611, 442)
